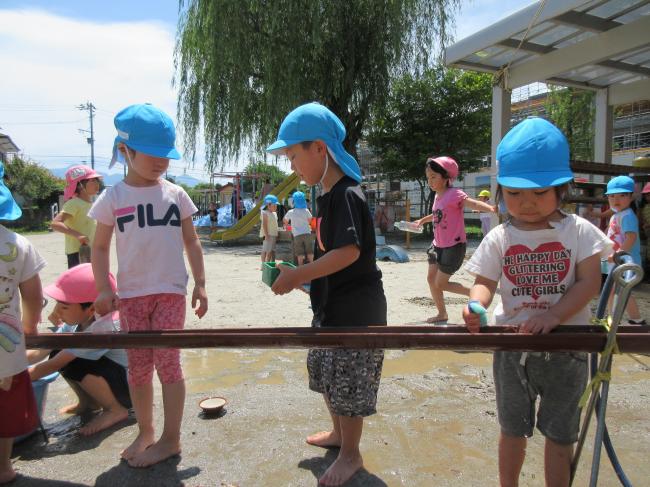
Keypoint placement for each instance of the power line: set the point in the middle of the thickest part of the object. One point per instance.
(57, 122)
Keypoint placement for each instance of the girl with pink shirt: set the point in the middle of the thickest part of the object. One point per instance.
(151, 220)
(447, 251)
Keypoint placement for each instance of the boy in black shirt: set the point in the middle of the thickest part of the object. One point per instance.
(346, 287)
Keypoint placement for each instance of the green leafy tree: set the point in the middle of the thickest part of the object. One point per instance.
(572, 111)
(215, 186)
(267, 172)
(443, 112)
(243, 65)
(33, 182)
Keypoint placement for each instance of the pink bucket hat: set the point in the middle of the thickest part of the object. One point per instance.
(448, 164)
(77, 285)
(646, 188)
(74, 175)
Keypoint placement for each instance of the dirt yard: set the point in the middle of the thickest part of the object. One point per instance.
(436, 421)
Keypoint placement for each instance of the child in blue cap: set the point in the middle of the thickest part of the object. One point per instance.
(623, 230)
(300, 218)
(152, 221)
(346, 287)
(269, 227)
(547, 265)
(20, 264)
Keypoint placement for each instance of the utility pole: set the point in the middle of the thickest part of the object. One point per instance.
(91, 140)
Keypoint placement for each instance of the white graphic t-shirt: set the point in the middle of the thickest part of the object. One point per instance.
(19, 262)
(148, 236)
(535, 268)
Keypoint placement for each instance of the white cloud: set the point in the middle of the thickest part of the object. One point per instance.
(57, 63)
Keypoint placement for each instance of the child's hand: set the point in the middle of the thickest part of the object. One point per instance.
(472, 320)
(55, 317)
(495, 209)
(201, 296)
(540, 324)
(106, 302)
(286, 281)
(83, 240)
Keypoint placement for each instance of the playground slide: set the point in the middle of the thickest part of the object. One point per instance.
(252, 218)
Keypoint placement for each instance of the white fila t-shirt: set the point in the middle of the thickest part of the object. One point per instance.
(535, 268)
(148, 235)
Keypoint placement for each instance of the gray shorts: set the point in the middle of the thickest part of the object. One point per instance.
(347, 377)
(303, 244)
(558, 379)
(268, 245)
(448, 259)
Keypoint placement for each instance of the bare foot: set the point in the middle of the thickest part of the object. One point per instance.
(7, 476)
(76, 409)
(325, 439)
(105, 419)
(341, 471)
(437, 319)
(156, 453)
(140, 444)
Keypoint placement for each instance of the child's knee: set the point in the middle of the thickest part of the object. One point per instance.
(140, 376)
(168, 366)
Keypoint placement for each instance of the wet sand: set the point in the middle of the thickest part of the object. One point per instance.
(436, 421)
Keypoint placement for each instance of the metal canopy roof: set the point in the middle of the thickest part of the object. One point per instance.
(7, 145)
(589, 44)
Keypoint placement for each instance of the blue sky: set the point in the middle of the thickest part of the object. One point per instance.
(58, 54)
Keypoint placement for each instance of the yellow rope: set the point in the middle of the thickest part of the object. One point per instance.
(501, 76)
(599, 377)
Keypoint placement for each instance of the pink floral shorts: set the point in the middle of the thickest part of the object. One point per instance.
(148, 313)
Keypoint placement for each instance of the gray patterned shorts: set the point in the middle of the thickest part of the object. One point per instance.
(558, 379)
(347, 377)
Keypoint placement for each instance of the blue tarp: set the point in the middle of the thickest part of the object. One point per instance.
(224, 215)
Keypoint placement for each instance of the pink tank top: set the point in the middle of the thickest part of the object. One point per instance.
(448, 219)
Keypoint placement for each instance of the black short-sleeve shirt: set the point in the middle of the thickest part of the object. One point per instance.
(353, 296)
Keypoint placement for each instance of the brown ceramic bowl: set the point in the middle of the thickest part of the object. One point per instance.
(212, 405)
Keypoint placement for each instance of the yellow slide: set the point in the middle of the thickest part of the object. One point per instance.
(252, 218)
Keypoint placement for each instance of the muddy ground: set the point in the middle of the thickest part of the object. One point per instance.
(436, 421)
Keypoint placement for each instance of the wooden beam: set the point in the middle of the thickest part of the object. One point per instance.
(588, 339)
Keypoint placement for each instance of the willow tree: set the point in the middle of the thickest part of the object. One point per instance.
(242, 65)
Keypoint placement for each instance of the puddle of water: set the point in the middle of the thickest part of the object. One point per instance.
(207, 370)
(419, 362)
(210, 370)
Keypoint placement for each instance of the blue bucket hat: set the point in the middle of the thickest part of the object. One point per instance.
(533, 154)
(314, 121)
(9, 209)
(620, 184)
(270, 199)
(299, 200)
(147, 129)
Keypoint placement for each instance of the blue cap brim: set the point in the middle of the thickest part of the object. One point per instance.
(535, 180)
(9, 209)
(618, 191)
(343, 159)
(155, 151)
(279, 146)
